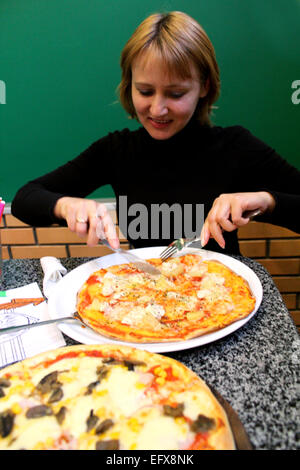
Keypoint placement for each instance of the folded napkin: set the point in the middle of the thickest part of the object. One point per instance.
(53, 272)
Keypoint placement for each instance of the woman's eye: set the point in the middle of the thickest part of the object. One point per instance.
(145, 92)
(176, 95)
(173, 94)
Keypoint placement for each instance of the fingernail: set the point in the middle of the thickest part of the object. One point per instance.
(203, 237)
(115, 243)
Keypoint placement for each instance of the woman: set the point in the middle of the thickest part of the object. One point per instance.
(170, 80)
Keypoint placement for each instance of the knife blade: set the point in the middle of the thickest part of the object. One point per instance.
(140, 263)
(10, 329)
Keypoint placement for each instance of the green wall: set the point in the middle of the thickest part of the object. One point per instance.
(59, 62)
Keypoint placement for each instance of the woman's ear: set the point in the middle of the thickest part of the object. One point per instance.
(204, 89)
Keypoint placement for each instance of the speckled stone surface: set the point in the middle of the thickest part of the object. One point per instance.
(256, 368)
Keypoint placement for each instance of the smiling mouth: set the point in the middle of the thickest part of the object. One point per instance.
(160, 122)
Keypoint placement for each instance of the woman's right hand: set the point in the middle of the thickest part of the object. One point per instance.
(83, 216)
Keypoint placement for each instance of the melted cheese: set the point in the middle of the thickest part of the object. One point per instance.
(212, 280)
(15, 394)
(198, 270)
(161, 432)
(196, 403)
(135, 316)
(172, 268)
(81, 408)
(156, 310)
(99, 305)
(120, 286)
(163, 283)
(31, 432)
(125, 394)
(212, 289)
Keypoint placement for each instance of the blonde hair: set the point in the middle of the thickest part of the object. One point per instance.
(179, 41)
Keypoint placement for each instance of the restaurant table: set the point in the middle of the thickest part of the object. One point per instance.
(255, 368)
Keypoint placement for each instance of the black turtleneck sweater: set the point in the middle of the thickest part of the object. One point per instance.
(193, 167)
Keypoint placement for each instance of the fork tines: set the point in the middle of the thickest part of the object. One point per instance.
(168, 252)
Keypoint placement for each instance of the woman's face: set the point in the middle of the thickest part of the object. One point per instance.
(164, 103)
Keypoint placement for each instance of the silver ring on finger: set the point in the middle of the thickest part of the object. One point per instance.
(81, 220)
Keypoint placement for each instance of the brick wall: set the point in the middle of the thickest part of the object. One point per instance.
(276, 248)
(23, 241)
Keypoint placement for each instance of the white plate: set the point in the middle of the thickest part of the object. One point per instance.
(62, 302)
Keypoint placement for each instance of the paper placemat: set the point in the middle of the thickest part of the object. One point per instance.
(25, 305)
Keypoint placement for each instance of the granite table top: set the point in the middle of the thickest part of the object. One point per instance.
(255, 368)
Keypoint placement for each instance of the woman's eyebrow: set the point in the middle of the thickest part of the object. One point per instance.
(172, 85)
(142, 84)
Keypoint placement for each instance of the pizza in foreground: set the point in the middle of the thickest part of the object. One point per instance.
(108, 397)
(190, 298)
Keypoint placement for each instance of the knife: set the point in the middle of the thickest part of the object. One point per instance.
(11, 329)
(136, 260)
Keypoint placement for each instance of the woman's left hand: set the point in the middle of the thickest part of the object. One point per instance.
(227, 212)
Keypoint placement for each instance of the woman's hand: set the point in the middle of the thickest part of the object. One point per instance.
(227, 213)
(83, 216)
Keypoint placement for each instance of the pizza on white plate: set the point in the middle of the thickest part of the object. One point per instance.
(191, 297)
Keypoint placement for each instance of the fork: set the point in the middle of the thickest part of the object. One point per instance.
(178, 245)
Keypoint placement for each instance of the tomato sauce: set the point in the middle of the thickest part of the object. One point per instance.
(200, 442)
(72, 355)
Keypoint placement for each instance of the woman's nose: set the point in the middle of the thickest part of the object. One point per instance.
(158, 107)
